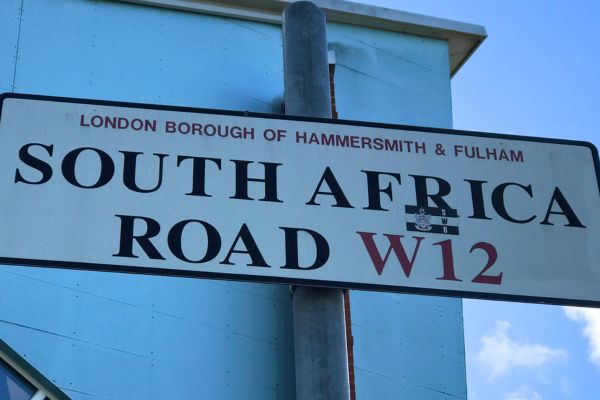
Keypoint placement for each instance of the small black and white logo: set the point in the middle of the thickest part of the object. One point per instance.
(431, 220)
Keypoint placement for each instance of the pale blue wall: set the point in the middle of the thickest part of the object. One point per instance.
(383, 76)
(112, 336)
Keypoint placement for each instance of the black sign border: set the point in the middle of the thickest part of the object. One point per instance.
(294, 281)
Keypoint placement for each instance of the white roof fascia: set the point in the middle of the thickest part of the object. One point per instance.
(463, 38)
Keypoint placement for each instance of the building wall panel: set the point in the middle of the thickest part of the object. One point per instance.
(145, 54)
(384, 76)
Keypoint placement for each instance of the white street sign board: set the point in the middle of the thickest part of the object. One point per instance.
(203, 193)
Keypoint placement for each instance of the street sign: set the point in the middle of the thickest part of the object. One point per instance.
(151, 189)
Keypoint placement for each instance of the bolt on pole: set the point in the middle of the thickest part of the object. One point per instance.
(321, 357)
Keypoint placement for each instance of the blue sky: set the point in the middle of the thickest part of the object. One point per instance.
(536, 74)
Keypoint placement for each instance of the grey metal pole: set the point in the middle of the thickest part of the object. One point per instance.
(319, 322)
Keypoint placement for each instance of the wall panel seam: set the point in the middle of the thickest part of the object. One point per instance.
(18, 45)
